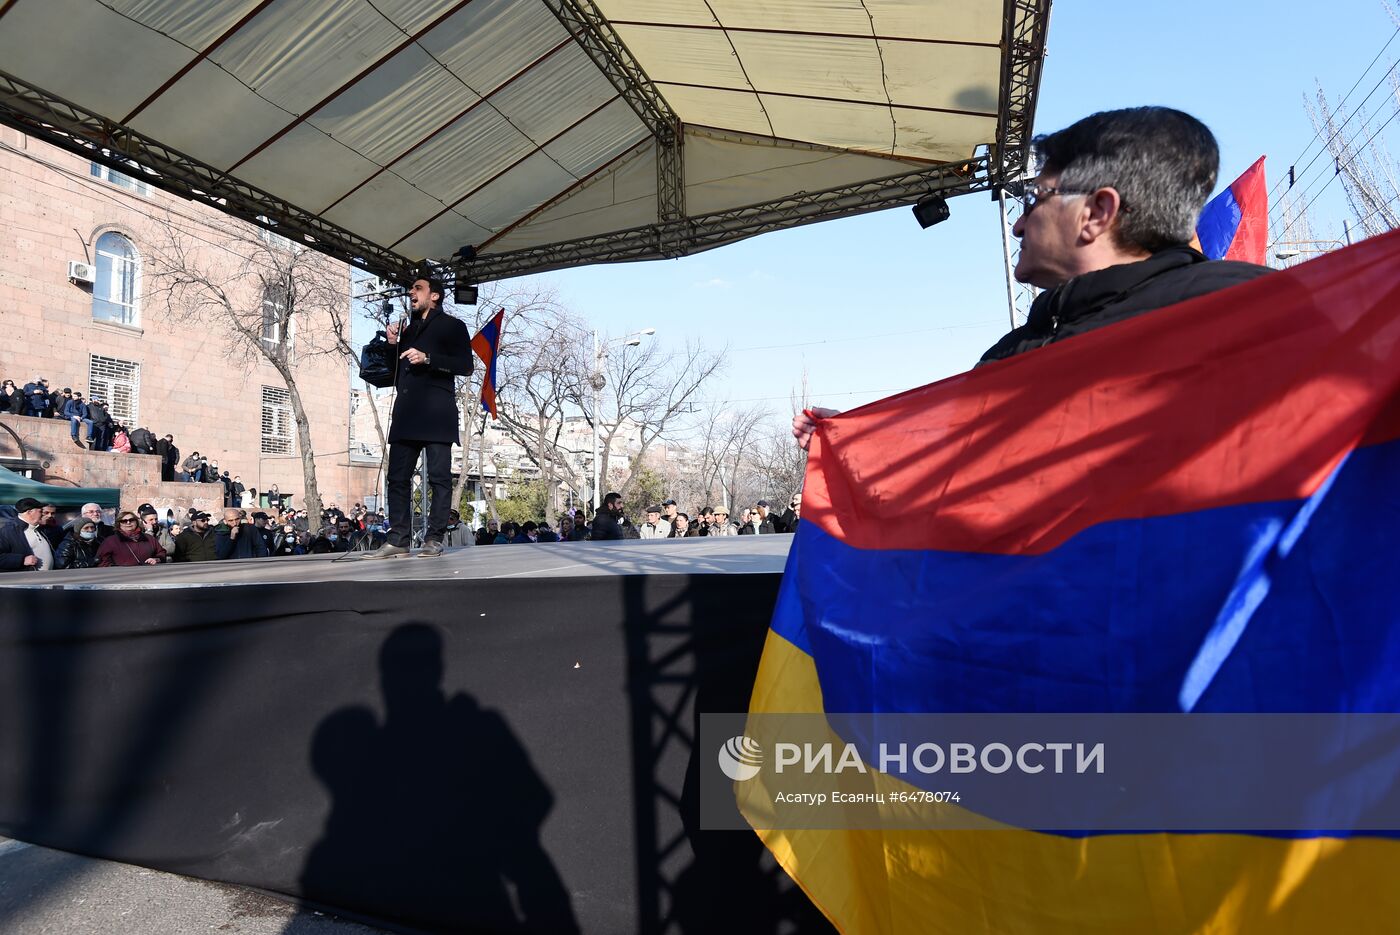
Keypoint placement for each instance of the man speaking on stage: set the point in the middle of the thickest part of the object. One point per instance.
(434, 350)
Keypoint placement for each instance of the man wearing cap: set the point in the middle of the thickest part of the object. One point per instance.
(196, 544)
(721, 525)
(766, 522)
(668, 511)
(22, 547)
(433, 351)
(655, 527)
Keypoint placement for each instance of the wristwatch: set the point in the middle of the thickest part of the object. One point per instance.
(427, 360)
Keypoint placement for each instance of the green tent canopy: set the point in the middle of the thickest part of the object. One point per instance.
(14, 486)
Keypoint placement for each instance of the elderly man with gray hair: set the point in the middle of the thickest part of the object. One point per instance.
(93, 512)
(1108, 229)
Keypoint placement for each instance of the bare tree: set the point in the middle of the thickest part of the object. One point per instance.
(276, 301)
(539, 376)
(536, 377)
(1369, 174)
(646, 391)
(342, 333)
(725, 446)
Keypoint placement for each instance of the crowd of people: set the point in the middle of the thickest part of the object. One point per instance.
(92, 427)
(37, 541)
(663, 521)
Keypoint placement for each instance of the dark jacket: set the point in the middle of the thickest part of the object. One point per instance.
(118, 549)
(249, 542)
(606, 526)
(190, 546)
(425, 409)
(1105, 296)
(142, 441)
(14, 547)
(76, 552)
(54, 534)
(97, 412)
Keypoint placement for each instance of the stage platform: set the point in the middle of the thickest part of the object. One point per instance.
(742, 555)
(496, 740)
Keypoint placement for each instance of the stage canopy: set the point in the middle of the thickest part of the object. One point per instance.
(537, 134)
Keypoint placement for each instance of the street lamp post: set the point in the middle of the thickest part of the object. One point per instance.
(600, 353)
(1297, 248)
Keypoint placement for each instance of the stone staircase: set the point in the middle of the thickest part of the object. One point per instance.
(43, 449)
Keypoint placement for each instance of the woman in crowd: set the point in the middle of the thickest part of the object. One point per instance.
(121, 441)
(11, 399)
(285, 540)
(680, 527)
(129, 545)
(79, 547)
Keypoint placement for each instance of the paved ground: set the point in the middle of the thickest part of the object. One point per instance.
(46, 892)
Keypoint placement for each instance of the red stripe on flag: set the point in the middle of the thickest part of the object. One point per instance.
(1246, 395)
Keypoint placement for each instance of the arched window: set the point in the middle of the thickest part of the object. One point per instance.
(114, 292)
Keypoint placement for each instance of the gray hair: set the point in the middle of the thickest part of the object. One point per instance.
(1162, 163)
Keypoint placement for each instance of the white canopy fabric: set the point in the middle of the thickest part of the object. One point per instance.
(536, 132)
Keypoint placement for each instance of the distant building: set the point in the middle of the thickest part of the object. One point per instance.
(73, 283)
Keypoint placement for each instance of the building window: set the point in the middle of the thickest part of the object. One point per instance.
(120, 179)
(274, 310)
(276, 421)
(115, 290)
(118, 384)
(274, 239)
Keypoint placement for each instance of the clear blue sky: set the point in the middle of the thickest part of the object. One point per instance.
(873, 305)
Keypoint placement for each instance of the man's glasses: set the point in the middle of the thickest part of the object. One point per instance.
(1033, 193)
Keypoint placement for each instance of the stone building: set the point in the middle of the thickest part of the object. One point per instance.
(76, 309)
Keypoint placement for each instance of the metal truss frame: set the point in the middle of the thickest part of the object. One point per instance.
(1024, 27)
(712, 230)
(596, 36)
(68, 126)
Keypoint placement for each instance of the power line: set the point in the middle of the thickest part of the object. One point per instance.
(1317, 132)
(1355, 153)
(1360, 109)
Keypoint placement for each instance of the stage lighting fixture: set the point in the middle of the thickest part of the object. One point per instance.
(466, 253)
(463, 294)
(931, 210)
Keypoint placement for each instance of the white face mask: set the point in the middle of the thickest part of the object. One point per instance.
(88, 534)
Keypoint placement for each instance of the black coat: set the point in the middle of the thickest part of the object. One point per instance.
(425, 408)
(1105, 296)
(14, 547)
(76, 552)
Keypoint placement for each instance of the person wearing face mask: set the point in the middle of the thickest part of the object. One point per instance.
(79, 547)
(285, 541)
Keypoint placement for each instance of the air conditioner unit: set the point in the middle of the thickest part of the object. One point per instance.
(78, 271)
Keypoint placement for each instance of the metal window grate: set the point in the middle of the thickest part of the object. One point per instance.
(118, 384)
(276, 421)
